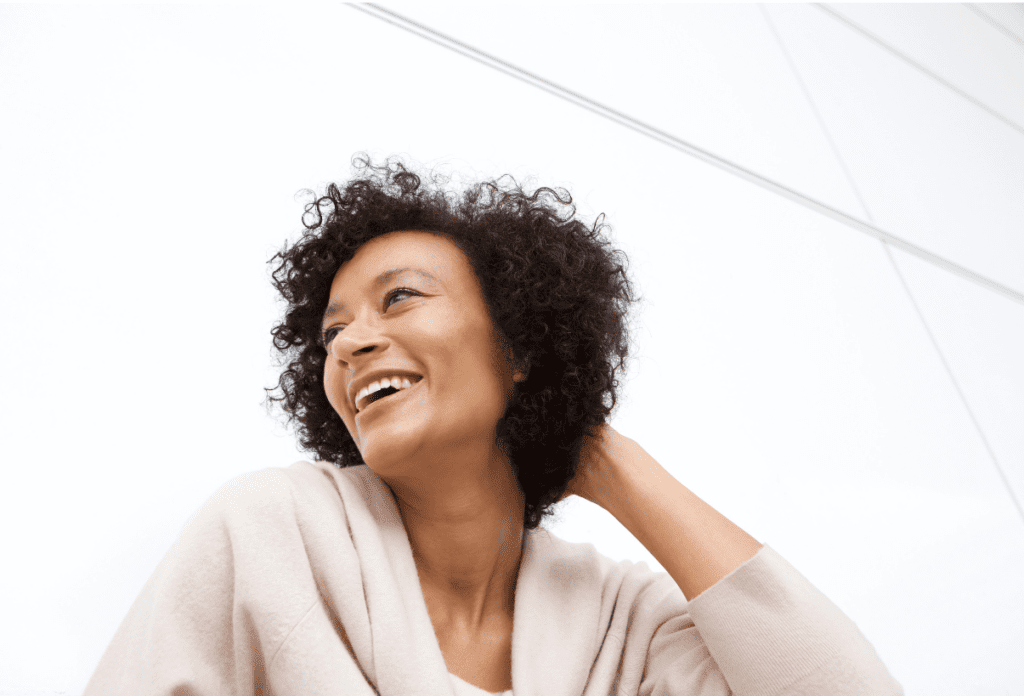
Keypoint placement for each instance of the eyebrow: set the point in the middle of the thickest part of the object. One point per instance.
(336, 307)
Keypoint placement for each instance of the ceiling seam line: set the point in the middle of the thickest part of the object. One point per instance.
(899, 273)
(817, 113)
(999, 26)
(681, 145)
(956, 385)
(935, 76)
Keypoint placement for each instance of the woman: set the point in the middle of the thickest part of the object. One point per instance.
(452, 362)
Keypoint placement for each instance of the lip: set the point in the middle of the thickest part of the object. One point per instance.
(396, 397)
(368, 379)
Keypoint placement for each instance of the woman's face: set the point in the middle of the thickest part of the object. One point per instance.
(409, 305)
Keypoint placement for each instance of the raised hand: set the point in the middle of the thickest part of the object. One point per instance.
(696, 544)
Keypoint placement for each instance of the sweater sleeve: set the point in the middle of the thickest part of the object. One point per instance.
(771, 633)
(223, 610)
(179, 635)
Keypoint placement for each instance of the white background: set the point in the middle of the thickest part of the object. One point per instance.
(849, 405)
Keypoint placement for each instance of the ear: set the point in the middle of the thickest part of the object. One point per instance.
(521, 369)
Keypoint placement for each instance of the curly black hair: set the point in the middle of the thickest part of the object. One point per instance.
(555, 288)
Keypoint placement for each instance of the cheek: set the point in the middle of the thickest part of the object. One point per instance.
(488, 380)
(334, 387)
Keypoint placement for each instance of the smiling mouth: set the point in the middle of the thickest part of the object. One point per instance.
(377, 396)
(383, 393)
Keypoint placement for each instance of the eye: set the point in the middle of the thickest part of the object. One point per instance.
(328, 335)
(396, 293)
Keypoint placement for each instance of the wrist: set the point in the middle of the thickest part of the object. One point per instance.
(619, 473)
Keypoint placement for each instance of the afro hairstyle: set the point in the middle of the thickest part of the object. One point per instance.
(556, 289)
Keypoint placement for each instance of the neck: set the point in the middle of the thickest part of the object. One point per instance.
(466, 533)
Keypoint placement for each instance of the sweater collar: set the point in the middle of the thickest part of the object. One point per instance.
(555, 634)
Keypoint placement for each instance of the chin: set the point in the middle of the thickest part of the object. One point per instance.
(388, 448)
(396, 447)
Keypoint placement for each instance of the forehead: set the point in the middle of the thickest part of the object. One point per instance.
(426, 247)
(428, 251)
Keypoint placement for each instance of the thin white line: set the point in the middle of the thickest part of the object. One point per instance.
(1010, 34)
(676, 143)
(895, 266)
(956, 385)
(935, 76)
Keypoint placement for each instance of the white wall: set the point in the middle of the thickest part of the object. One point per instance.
(850, 406)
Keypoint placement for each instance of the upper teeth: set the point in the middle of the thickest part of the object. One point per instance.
(394, 382)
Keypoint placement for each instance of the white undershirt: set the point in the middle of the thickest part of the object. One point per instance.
(464, 688)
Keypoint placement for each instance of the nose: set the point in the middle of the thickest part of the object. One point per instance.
(355, 341)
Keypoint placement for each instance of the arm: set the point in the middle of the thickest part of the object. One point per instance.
(768, 630)
(695, 543)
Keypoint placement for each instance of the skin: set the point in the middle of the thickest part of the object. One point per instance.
(435, 447)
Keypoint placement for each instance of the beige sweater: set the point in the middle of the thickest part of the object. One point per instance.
(301, 581)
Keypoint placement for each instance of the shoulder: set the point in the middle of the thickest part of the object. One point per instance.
(279, 522)
(606, 610)
(565, 563)
(582, 560)
(580, 569)
(304, 489)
